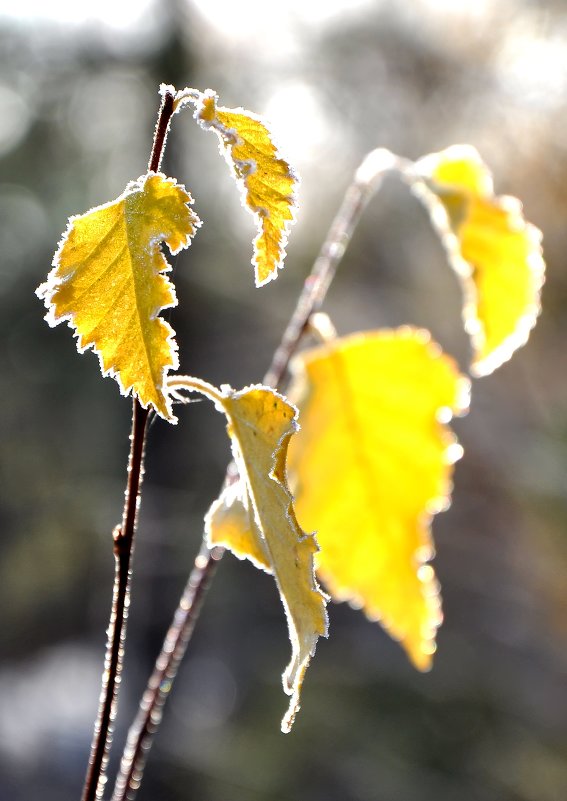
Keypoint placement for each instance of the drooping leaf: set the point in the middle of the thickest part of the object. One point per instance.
(108, 282)
(495, 252)
(267, 182)
(369, 468)
(230, 523)
(255, 518)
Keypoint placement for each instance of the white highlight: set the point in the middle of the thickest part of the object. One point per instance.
(297, 120)
(272, 23)
(534, 68)
(474, 9)
(375, 164)
(118, 16)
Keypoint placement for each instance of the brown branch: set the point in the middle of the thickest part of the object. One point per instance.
(366, 182)
(123, 537)
(175, 644)
(162, 129)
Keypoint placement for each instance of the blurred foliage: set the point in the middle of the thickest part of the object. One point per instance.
(77, 108)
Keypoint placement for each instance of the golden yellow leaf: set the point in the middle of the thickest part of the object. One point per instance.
(369, 468)
(267, 182)
(495, 252)
(230, 523)
(108, 282)
(256, 518)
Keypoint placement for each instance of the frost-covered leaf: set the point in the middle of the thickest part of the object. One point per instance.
(267, 182)
(230, 523)
(255, 518)
(108, 282)
(370, 466)
(495, 252)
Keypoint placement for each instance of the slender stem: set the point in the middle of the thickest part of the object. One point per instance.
(366, 182)
(191, 384)
(123, 539)
(166, 112)
(149, 714)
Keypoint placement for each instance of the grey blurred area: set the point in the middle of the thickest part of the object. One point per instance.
(78, 102)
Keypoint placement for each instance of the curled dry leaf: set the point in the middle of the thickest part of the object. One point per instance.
(371, 465)
(267, 181)
(495, 252)
(108, 282)
(255, 518)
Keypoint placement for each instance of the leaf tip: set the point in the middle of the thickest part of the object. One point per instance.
(267, 182)
(495, 252)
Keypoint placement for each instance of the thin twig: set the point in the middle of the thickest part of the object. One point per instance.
(366, 183)
(123, 545)
(150, 712)
(123, 537)
(166, 112)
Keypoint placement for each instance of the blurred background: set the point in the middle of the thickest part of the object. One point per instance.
(78, 102)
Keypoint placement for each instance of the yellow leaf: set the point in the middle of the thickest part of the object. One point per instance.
(495, 252)
(256, 518)
(108, 282)
(369, 468)
(230, 523)
(267, 182)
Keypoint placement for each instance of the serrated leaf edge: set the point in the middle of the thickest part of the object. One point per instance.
(293, 675)
(47, 289)
(228, 138)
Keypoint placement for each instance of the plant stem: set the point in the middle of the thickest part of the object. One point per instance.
(366, 183)
(123, 546)
(165, 114)
(150, 712)
(123, 536)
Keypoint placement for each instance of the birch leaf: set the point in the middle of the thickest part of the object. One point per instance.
(370, 467)
(255, 518)
(108, 282)
(230, 523)
(267, 182)
(495, 252)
